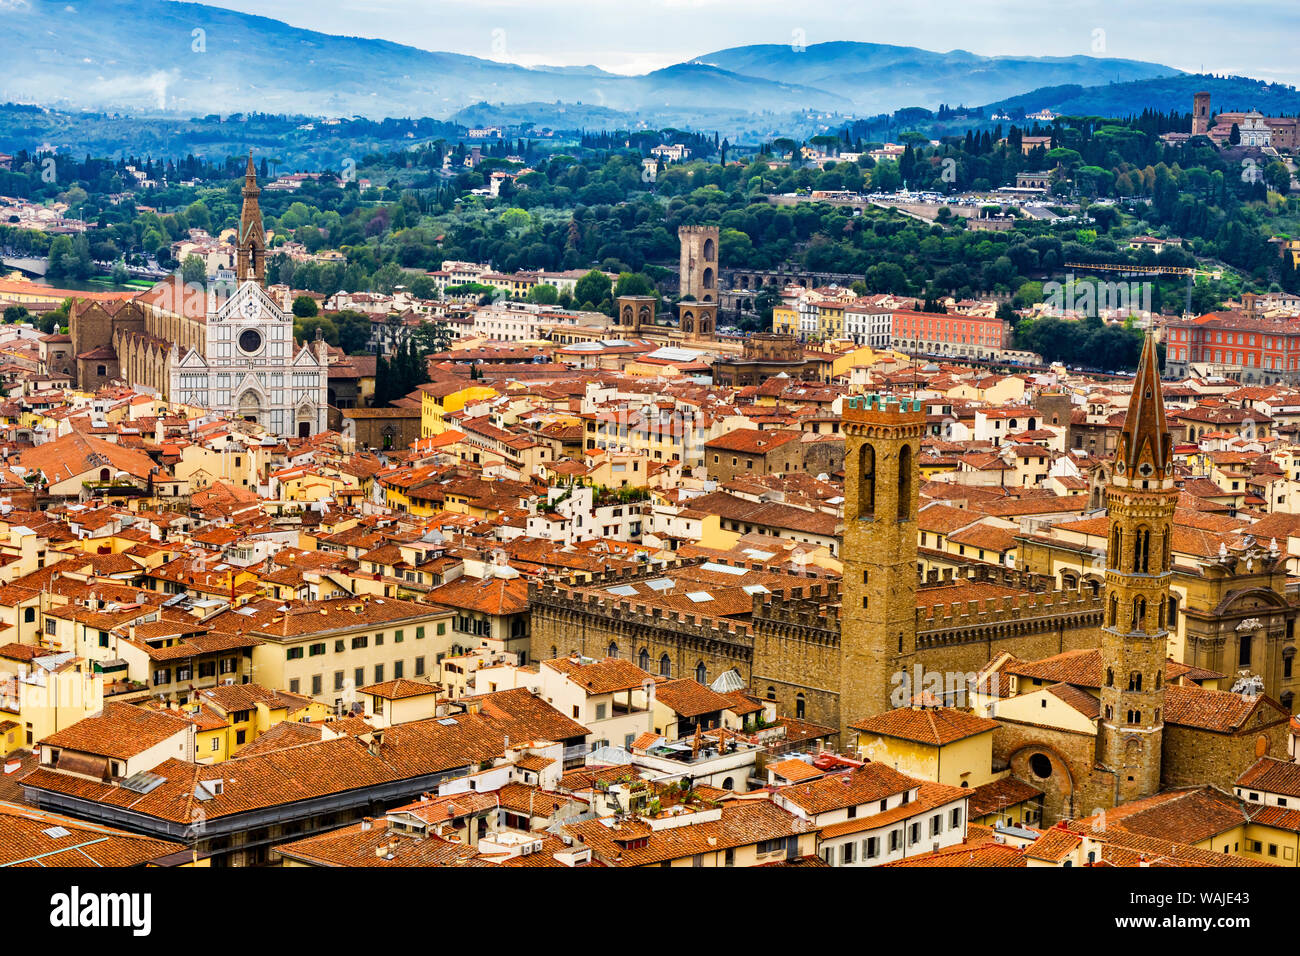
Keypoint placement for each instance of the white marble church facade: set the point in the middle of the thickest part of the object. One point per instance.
(250, 370)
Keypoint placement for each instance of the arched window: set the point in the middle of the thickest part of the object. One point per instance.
(867, 482)
(1172, 617)
(771, 693)
(905, 483)
(1109, 712)
(1110, 677)
(701, 673)
(105, 474)
(728, 783)
(1141, 550)
(643, 659)
(554, 652)
(1159, 679)
(1139, 614)
(799, 706)
(1114, 609)
(1114, 547)
(1135, 681)
(665, 666)
(613, 649)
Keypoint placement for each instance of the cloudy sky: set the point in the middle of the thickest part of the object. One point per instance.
(1247, 37)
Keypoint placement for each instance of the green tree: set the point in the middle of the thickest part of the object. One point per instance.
(422, 287)
(304, 307)
(354, 330)
(634, 283)
(1278, 177)
(60, 258)
(516, 219)
(592, 288)
(193, 271)
(304, 329)
(543, 294)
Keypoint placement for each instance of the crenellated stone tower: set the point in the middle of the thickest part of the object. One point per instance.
(1140, 504)
(882, 436)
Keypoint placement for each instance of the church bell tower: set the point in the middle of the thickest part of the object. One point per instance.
(250, 259)
(1140, 504)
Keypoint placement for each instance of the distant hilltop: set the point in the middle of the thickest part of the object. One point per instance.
(157, 56)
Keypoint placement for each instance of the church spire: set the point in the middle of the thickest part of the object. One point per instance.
(250, 262)
(1145, 447)
(1140, 611)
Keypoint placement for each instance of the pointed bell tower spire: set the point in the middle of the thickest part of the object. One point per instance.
(250, 261)
(1145, 447)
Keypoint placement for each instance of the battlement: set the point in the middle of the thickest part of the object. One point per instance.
(982, 573)
(697, 230)
(882, 404)
(615, 576)
(581, 599)
(1024, 610)
(814, 611)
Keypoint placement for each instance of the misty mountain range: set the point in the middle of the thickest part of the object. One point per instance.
(158, 56)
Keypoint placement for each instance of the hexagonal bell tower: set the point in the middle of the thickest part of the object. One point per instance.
(882, 441)
(1140, 504)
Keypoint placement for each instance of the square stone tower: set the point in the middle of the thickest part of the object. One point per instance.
(882, 436)
(698, 282)
(635, 312)
(1200, 114)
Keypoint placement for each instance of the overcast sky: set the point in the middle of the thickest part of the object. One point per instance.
(1247, 37)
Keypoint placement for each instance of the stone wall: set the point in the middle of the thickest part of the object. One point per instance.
(1193, 757)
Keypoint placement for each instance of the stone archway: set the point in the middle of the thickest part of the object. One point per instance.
(250, 406)
(1058, 785)
(305, 421)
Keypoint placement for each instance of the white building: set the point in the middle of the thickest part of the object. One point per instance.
(251, 371)
(873, 814)
(572, 514)
(870, 322)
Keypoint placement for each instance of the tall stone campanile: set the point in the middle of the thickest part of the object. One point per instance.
(882, 439)
(1140, 504)
(250, 255)
(698, 282)
(1200, 114)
